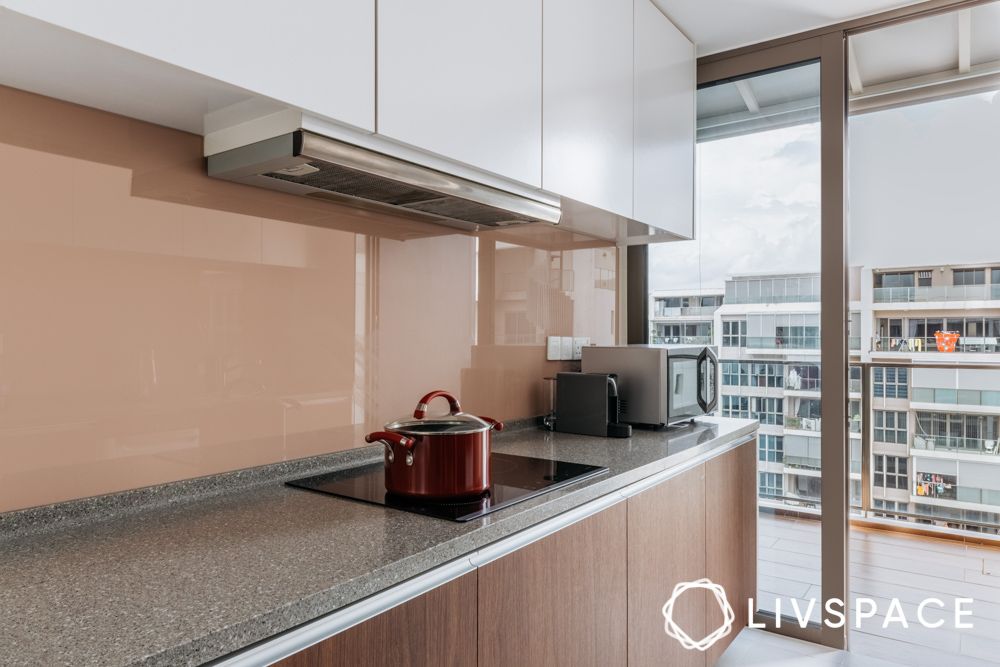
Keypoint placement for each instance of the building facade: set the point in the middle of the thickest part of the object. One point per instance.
(683, 316)
(935, 432)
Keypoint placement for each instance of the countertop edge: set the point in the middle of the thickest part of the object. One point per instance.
(474, 549)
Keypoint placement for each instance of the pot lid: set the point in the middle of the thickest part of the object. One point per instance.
(453, 422)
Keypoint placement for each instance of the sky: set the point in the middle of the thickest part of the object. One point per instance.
(916, 173)
(757, 210)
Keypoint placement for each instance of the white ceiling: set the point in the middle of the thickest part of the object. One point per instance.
(719, 25)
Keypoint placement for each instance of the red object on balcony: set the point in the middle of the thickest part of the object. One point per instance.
(946, 340)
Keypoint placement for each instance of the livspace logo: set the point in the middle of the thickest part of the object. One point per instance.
(801, 611)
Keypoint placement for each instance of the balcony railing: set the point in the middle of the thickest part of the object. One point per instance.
(971, 494)
(929, 344)
(944, 443)
(941, 293)
(685, 311)
(854, 343)
(783, 343)
(795, 298)
(956, 396)
(681, 340)
(804, 423)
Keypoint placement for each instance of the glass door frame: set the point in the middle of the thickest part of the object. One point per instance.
(830, 50)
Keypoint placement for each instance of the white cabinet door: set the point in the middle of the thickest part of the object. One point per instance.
(587, 102)
(315, 54)
(464, 80)
(664, 122)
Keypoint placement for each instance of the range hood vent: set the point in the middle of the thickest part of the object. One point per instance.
(309, 164)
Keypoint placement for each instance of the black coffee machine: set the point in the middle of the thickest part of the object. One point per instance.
(588, 404)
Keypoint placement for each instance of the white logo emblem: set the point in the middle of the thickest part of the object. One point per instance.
(675, 631)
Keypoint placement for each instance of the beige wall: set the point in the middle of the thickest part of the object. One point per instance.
(158, 325)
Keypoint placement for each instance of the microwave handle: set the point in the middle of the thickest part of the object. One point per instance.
(707, 403)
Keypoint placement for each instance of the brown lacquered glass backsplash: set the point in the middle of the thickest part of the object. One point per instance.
(158, 325)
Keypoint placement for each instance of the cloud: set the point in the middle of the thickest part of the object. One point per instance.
(758, 211)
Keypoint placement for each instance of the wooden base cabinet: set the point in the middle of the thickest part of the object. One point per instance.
(436, 629)
(560, 601)
(589, 595)
(702, 523)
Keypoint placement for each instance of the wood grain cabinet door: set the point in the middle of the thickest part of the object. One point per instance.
(666, 546)
(731, 545)
(559, 602)
(436, 629)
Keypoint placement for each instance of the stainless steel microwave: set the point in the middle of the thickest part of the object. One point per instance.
(659, 384)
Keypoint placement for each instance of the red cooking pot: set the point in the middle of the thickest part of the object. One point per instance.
(437, 457)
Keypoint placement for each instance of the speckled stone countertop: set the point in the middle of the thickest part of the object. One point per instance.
(188, 582)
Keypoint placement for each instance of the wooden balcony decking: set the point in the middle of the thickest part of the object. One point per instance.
(883, 565)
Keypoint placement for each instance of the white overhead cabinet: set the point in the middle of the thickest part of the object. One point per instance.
(665, 85)
(313, 54)
(464, 80)
(587, 115)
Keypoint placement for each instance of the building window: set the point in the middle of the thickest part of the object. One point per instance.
(767, 375)
(736, 373)
(891, 382)
(767, 410)
(734, 333)
(969, 276)
(770, 485)
(890, 426)
(890, 472)
(736, 406)
(896, 279)
(803, 377)
(923, 278)
(890, 508)
(771, 448)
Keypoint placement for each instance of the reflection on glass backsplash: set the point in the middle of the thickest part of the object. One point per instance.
(158, 325)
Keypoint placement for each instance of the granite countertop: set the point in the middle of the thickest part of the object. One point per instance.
(188, 582)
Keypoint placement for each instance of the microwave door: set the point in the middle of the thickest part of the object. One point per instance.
(683, 372)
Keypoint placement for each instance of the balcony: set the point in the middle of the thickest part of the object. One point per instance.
(942, 293)
(782, 343)
(929, 344)
(681, 340)
(813, 424)
(943, 443)
(796, 381)
(886, 563)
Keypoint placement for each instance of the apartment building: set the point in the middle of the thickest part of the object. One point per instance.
(768, 337)
(683, 316)
(935, 432)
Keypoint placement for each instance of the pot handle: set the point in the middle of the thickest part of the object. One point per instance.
(388, 438)
(421, 410)
(494, 424)
(391, 438)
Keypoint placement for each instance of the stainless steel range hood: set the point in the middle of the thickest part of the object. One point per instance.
(308, 164)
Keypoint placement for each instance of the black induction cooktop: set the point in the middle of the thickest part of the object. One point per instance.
(515, 478)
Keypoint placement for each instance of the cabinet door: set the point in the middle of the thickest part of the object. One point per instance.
(560, 601)
(464, 80)
(664, 122)
(731, 544)
(666, 546)
(313, 54)
(587, 105)
(437, 629)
